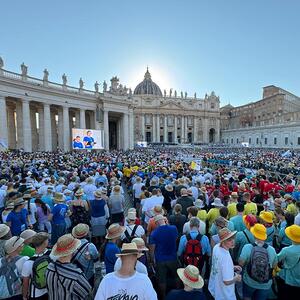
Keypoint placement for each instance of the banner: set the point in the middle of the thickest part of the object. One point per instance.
(87, 139)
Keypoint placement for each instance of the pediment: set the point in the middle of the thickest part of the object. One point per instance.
(171, 105)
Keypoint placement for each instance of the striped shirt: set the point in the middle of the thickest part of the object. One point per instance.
(66, 281)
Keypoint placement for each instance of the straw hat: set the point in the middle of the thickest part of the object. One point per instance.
(199, 203)
(9, 205)
(19, 202)
(181, 180)
(129, 249)
(27, 196)
(266, 216)
(183, 192)
(116, 189)
(59, 198)
(90, 180)
(114, 231)
(140, 243)
(98, 194)
(131, 215)
(27, 234)
(13, 244)
(4, 230)
(217, 202)
(169, 188)
(221, 222)
(80, 230)
(138, 179)
(79, 193)
(225, 234)
(65, 246)
(259, 231)
(293, 233)
(191, 277)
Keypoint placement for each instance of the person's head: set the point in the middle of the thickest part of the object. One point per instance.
(183, 192)
(5, 233)
(224, 212)
(240, 207)
(159, 220)
(194, 223)
(65, 246)
(89, 133)
(293, 233)
(247, 197)
(266, 217)
(114, 232)
(19, 204)
(234, 197)
(40, 241)
(190, 277)
(192, 211)
(129, 255)
(227, 238)
(80, 231)
(27, 235)
(290, 218)
(177, 209)
(77, 138)
(131, 217)
(13, 246)
(154, 192)
(249, 221)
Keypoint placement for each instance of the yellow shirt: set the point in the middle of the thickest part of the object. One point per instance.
(212, 215)
(292, 209)
(231, 210)
(126, 172)
(250, 208)
(202, 215)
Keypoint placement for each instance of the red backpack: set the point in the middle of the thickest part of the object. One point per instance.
(193, 252)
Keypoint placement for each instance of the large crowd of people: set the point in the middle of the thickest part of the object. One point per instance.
(154, 223)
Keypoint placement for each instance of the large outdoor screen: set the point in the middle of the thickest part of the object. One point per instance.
(87, 139)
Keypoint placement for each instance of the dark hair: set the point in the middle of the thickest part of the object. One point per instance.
(224, 212)
(289, 219)
(43, 205)
(240, 207)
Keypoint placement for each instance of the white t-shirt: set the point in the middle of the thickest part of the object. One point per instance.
(222, 269)
(33, 211)
(27, 272)
(149, 205)
(138, 286)
(139, 267)
(137, 188)
(187, 229)
(139, 232)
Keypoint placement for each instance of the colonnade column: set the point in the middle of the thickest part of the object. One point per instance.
(47, 128)
(60, 125)
(153, 129)
(158, 128)
(27, 138)
(106, 129)
(195, 130)
(143, 128)
(165, 129)
(41, 129)
(175, 129)
(19, 125)
(66, 128)
(3, 121)
(205, 130)
(82, 119)
(182, 129)
(125, 131)
(131, 131)
(12, 127)
(77, 119)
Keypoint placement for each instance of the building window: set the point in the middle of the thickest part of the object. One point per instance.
(256, 141)
(298, 140)
(266, 141)
(231, 141)
(275, 141)
(237, 141)
(226, 141)
(286, 140)
(249, 140)
(212, 105)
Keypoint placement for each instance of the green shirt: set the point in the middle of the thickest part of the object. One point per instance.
(245, 257)
(238, 223)
(27, 251)
(290, 273)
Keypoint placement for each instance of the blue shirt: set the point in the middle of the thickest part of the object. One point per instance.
(48, 199)
(204, 243)
(89, 140)
(77, 145)
(97, 208)
(18, 221)
(164, 238)
(110, 258)
(59, 212)
(238, 223)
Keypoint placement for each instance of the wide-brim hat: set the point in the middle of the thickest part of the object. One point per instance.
(4, 230)
(13, 244)
(18, 202)
(80, 230)
(140, 243)
(27, 234)
(199, 204)
(79, 193)
(27, 196)
(114, 231)
(225, 234)
(129, 249)
(181, 180)
(59, 197)
(117, 189)
(266, 216)
(293, 233)
(65, 246)
(191, 277)
(89, 180)
(259, 231)
(158, 218)
(169, 188)
(217, 202)
(98, 194)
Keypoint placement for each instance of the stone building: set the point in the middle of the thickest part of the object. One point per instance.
(272, 121)
(38, 115)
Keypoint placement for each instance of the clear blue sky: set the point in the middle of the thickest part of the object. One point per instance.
(233, 47)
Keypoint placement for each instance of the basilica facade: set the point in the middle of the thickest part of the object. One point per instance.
(37, 114)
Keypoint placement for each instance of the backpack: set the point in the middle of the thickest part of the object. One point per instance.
(193, 252)
(39, 267)
(10, 279)
(77, 255)
(259, 267)
(130, 237)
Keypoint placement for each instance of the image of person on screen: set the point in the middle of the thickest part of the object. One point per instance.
(88, 140)
(77, 144)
